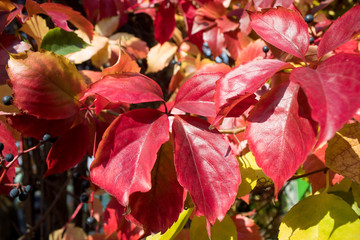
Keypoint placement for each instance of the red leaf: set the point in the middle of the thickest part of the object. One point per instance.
(272, 3)
(340, 31)
(216, 40)
(10, 44)
(333, 91)
(123, 64)
(45, 85)
(251, 52)
(115, 224)
(127, 88)
(280, 133)
(127, 153)
(242, 82)
(159, 208)
(68, 150)
(283, 28)
(196, 95)
(8, 140)
(205, 166)
(164, 22)
(246, 228)
(36, 127)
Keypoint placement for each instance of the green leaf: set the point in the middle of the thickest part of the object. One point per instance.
(174, 230)
(319, 217)
(224, 230)
(62, 42)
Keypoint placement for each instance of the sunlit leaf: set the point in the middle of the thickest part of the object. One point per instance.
(246, 228)
(35, 27)
(160, 56)
(164, 22)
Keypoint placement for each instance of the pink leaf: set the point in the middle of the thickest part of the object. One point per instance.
(205, 166)
(246, 228)
(127, 153)
(127, 88)
(159, 208)
(283, 28)
(115, 224)
(216, 40)
(242, 82)
(280, 133)
(333, 91)
(196, 95)
(8, 140)
(68, 150)
(340, 31)
(164, 22)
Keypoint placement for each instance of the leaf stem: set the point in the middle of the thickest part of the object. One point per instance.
(232, 131)
(325, 169)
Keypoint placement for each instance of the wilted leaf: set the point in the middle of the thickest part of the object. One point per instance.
(127, 153)
(45, 85)
(196, 95)
(160, 56)
(159, 208)
(205, 166)
(62, 42)
(36, 28)
(225, 229)
(68, 150)
(343, 152)
(283, 28)
(126, 87)
(280, 132)
(333, 86)
(320, 217)
(341, 31)
(241, 82)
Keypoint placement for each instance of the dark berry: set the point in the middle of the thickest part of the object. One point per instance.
(14, 193)
(9, 157)
(218, 60)
(46, 137)
(178, 63)
(1, 147)
(90, 221)
(28, 188)
(312, 40)
(84, 198)
(76, 174)
(309, 18)
(23, 196)
(7, 100)
(173, 62)
(265, 49)
(85, 184)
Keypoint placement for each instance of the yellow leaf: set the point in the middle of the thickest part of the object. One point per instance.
(160, 56)
(6, 5)
(36, 28)
(107, 26)
(342, 153)
(224, 230)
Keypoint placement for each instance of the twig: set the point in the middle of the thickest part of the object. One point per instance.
(325, 169)
(232, 131)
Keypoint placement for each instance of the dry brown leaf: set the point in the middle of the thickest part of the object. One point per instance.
(71, 233)
(342, 154)
(160, 56)
(107, 26)
(36, 28)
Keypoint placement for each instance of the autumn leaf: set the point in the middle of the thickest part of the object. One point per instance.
(35, 27)
(127, 153)
(123, 64)
(205, 166)
(45, 85)
(164, 22)
(283, 28)
(160, 56)
(246, 228)
(342, 154)
(70, 232)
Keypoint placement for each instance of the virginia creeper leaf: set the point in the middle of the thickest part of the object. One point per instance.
(246, 228)
(241, 82)
(123, 64)
(8, 140)
(332, 90)
(127, 88)
(36, 28)
(342, 154)
(164, 22)
(225, 229)
(159, 208)
(319, 217)
(205, 166)
(196, 95)
(72, 232)
(45, 85)
(283, 28)
(62, 42)
(68, 150)
(160, 56)
(115, 224)
(280, 132)
(127, 153)
(341, 31)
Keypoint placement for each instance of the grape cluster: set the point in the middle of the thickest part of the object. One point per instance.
(21, 192)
